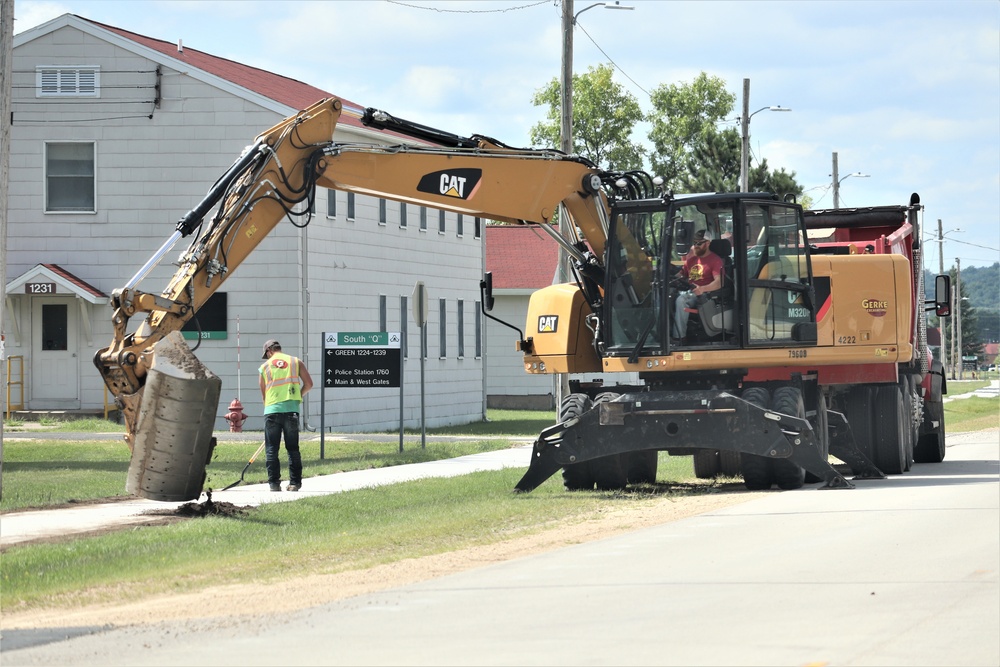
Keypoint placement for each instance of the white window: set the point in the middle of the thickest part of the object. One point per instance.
(70, 185)
(67, 82)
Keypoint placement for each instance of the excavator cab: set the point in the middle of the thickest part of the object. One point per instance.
(765, 297)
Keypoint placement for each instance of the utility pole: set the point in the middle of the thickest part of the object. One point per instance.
(836, 182)
(566, 146)
(958, 316)
(944, 347)
(6, 57)
(745, 135)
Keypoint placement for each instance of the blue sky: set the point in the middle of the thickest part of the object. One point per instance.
(906, 92)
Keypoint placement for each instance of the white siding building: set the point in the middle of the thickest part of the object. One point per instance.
(114, 137)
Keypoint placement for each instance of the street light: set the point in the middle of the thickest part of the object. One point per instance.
(745, 134)
(837, 181)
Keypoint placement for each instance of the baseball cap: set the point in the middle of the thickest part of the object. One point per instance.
(268, 345)
(703, 235)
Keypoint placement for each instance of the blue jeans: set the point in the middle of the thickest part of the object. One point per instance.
(276, 425)
(684, 300)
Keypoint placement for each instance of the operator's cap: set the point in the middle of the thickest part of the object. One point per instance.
(703, 235)
(268, 345)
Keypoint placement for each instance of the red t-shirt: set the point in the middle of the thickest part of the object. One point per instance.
(702, 270)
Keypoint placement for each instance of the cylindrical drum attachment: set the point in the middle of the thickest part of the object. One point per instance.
(173, 439)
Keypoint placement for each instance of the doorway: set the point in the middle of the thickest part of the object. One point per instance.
(55, 368)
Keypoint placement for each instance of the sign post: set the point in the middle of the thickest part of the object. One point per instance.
(359, 359)
(419, 299)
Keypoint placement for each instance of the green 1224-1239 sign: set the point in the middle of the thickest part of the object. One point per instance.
(361, 359)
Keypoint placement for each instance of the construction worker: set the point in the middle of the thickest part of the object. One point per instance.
(284, 380)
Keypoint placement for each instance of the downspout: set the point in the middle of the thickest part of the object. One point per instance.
(305, 324)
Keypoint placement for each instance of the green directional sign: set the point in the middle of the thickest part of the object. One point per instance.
(362, 339)
(361, 359)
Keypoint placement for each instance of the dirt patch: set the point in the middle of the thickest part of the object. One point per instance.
(240, 601)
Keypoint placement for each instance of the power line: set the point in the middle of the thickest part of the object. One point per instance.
(468, 11)
(613, 63)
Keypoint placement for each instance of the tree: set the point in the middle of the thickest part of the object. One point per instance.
(604, 117)
(714, 166)
(683, 119)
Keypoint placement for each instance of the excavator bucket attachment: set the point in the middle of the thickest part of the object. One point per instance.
(173, 435)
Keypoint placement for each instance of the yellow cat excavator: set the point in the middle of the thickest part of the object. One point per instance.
(780, 313)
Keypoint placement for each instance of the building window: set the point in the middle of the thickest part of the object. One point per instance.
(460, 225)
(350, 206)
(382, 316)
(479, 331)
(382, 215)
(331, 203)
(402, 214)
(54, 327)
(69, 177)
(443, 331)
(423, 218)
(211, 322)
(67, 82)
(441, 222)
(477, 229)
(403, 332)
(461, 329)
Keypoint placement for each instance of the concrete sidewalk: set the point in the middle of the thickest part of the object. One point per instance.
(991, 391)
(20, 527)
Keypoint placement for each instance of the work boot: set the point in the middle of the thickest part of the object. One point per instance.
(293, 487)
(275, 487)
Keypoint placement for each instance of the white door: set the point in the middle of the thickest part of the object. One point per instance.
(54, 355)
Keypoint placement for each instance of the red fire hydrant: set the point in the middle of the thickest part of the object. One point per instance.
(235, 416)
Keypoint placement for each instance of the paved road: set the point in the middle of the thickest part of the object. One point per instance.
(904, 571)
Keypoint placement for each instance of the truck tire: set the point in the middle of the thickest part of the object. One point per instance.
(610, 473)
(858, 411)
(757, 473)
(788, 475)
(576, 476)
(890, 450)
(908, 426)
(930, 444)
(706, 463)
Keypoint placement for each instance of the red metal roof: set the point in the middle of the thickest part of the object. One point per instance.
(279, 88)
(520, 257)
(79, 282)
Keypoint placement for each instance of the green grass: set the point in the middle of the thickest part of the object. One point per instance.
(971, 414)
(352, 530)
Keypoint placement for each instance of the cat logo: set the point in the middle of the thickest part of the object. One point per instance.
(457, 183)
(548, 323)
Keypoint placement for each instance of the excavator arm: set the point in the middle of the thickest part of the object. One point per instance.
(168, 399)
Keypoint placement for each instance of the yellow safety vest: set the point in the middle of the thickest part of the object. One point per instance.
(281, 379)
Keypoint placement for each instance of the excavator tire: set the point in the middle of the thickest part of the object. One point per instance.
(729, 463)
(890, 450)
(706, 463)
(788, 475)
(641, 467)
(576, 476)
(822, 428)
(757, 472)
(610, 473)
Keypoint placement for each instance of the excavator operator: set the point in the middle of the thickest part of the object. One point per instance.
(703, 269)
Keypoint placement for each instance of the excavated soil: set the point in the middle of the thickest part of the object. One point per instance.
(233, 602)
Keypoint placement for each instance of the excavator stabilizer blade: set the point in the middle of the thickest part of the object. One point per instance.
(173, 435)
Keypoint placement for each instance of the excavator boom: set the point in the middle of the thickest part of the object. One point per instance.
(168, 399)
